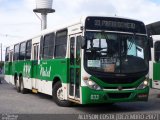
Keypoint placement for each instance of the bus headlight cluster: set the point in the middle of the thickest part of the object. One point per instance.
(144, 84)
(91, 84)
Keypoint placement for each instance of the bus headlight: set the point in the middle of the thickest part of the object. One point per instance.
(91, 84)
(144, 84)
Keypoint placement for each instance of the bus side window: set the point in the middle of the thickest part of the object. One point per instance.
(16, 52)
(11, 56)
(22, 51)
(61, 44)
(7, 54)
(78, 48)
(157, 51)
(28, 50)
(41, 48)
(47, 46)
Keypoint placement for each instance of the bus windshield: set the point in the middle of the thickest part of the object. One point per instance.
(116, 52)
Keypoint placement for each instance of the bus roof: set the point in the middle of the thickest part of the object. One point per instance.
(154, 28)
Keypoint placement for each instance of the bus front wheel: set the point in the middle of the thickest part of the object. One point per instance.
(57, 94)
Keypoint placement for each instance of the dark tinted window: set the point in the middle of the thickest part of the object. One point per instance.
(72, 49)
(16, 52)
(36, 51)
(28, 49)
(61, 44)
(7, 54)
(11, 56)
(157, 51)
(47, 46)
(41, 48)
(78, 48)
(22, 51)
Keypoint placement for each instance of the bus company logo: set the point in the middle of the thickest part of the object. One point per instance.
(45, 71)
(26, 69)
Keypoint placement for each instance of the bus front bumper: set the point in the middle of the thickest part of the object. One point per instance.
(90, 96)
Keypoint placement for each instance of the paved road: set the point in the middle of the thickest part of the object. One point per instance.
(13, 102)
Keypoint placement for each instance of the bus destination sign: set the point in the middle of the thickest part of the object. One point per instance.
(115, 24)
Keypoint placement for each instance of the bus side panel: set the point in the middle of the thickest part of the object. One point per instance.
(8, 71)
(156, 75)
(27, 73)
(48, 70)
(23, 68)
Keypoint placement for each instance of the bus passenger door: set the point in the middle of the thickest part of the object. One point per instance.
(35, 55)
(155, 66)
(75, 61)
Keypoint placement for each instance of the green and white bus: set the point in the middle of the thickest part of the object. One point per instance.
(154, 64)
(97, 60)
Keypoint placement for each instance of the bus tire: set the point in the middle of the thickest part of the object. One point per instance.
(18, 85)
(22, 89)
(56, 93)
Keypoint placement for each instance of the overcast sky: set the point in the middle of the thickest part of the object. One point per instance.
(17, 19)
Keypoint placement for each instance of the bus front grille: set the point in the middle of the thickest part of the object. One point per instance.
(118, 80)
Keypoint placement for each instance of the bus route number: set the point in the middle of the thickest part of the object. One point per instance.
(94, 97)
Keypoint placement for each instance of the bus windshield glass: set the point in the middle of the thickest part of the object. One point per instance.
(116, 53)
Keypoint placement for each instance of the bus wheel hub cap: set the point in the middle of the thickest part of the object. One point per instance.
(60, 93)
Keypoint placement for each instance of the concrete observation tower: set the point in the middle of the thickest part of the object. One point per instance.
(44, 7)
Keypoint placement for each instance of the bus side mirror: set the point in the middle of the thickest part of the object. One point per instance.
(150, 42)
(83, 43)
(150, 46)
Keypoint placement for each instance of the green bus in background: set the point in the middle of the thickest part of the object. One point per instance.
(97, 60)
(154, 64)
